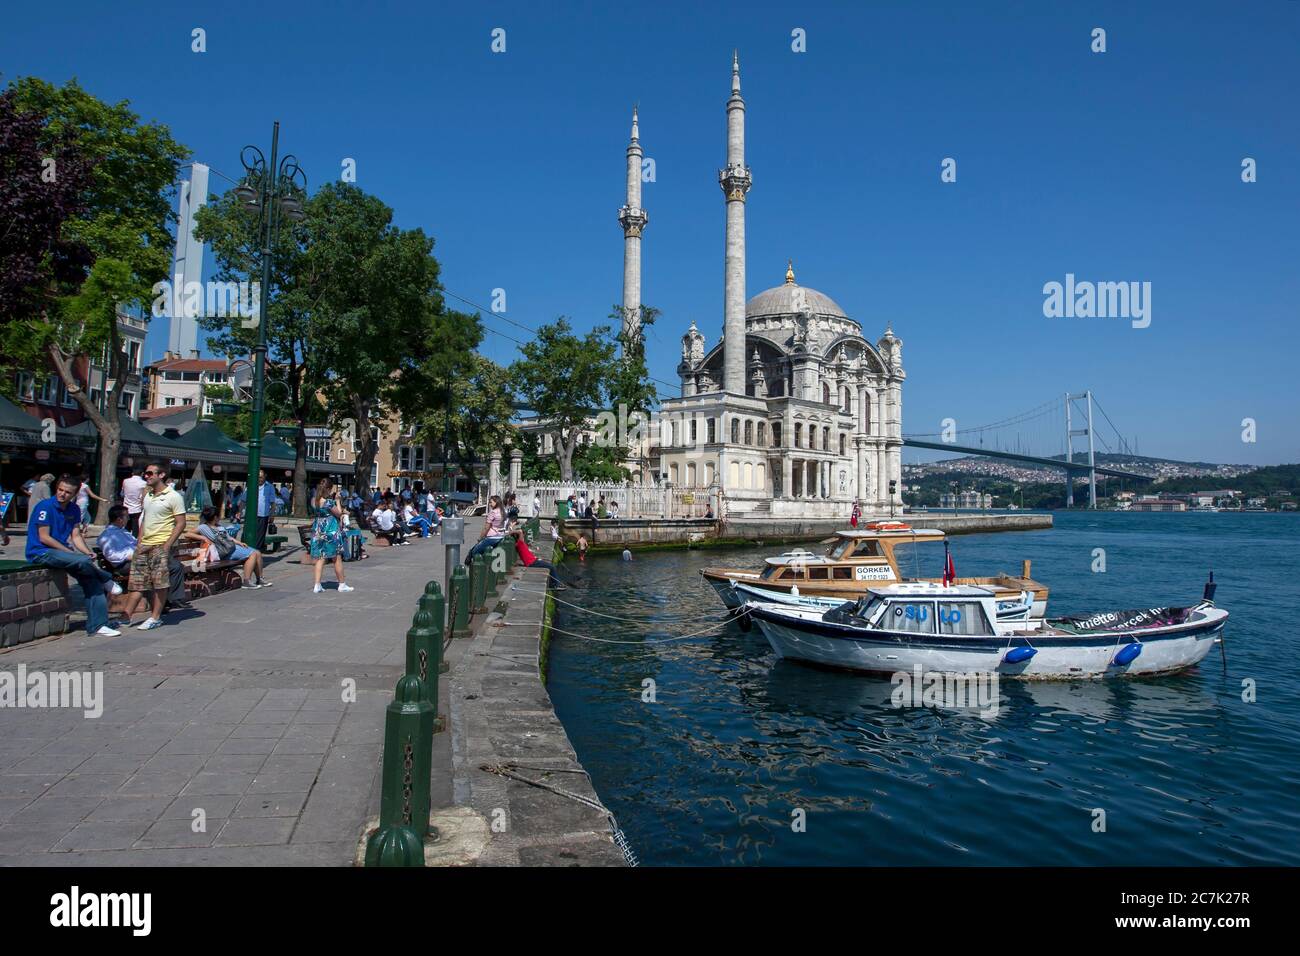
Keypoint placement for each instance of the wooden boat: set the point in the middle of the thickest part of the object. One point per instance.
(855, 562)
(925, 627)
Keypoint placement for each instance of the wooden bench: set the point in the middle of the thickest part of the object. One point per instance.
(273, 542)
(202, 578)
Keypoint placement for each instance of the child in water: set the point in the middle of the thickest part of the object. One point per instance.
(582, 547)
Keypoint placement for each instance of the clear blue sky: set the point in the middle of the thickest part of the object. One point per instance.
(1122, 166)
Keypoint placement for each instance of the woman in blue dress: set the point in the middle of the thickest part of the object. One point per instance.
(327, 533)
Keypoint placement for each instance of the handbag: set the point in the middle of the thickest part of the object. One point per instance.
(224, 544)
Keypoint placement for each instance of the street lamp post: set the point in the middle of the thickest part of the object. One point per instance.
(273, 196)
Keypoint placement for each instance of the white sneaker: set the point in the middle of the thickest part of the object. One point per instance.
(149, 624)
(115, 589)
(107, 631)
(250, 586)
(317, 589)
(264, 582)
(346, 587)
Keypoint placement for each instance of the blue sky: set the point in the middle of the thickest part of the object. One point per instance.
(1120, 166)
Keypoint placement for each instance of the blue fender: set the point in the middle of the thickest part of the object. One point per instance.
(1127, 654)
(1018, 655)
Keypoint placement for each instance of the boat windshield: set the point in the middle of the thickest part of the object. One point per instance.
(840, 548)
(868, 606)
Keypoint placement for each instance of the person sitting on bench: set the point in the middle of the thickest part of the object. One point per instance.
(384, 522)
(228, 549)
(116, 542)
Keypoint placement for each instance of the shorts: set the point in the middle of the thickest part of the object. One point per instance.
(149, 570)
(242, 552)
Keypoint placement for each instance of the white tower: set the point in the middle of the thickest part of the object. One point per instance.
(633, 219)
(735, 181)
(183, 335)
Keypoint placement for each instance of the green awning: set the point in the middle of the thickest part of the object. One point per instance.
(18, 428)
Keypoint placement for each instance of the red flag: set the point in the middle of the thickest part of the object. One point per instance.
(949, 570)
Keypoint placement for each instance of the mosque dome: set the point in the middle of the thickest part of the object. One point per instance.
(792, 299)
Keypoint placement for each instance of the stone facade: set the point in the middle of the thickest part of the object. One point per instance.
(33, 604)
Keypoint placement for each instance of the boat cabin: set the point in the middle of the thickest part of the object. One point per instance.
(854, 556)
(923, 608)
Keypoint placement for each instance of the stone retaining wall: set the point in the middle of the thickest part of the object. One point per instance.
(33, 604)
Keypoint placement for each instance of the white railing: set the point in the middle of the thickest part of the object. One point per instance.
(634, 500)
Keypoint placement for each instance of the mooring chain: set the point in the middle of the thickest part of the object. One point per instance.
(408, 764)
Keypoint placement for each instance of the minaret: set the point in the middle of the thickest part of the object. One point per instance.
(735, 181)
(633, 219)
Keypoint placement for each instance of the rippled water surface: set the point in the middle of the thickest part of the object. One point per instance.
(735, 743)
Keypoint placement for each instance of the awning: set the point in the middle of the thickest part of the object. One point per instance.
(18, 428)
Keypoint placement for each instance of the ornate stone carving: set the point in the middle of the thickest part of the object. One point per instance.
(735, 181)
(633, 219)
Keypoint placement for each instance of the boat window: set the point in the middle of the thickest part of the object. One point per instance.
(840, 548)
(868, 606)
(962, 617)
(914, 617)
(818, 574)
(844, 573)
(788, 573)
(770, 571)
(869, 548)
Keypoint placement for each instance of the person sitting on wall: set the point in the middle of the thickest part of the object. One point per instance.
(531, 560)
(54, 541)
(116, 542)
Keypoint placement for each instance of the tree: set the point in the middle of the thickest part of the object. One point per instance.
(233, 234)
(121, 223)
(478, 417)
(389, 331)
(565, 380)
(39, 192)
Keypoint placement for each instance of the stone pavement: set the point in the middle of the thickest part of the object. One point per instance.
(231, 715)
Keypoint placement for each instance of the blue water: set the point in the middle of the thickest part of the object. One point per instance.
(736, 743)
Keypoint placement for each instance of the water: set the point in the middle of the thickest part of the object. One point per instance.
(716, 770)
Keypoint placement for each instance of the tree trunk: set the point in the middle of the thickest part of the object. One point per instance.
(107, 423)
(564, 449)
(366, 457)
(300, 471)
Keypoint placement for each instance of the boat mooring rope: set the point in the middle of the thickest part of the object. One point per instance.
(613, 617)
(666, 640)
(620, 838)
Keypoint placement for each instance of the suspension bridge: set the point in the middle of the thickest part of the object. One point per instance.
(1046, 435)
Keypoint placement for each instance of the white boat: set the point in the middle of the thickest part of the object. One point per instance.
(954, 629)
(1018, 608)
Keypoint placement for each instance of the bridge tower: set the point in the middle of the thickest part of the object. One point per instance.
(1070, 434)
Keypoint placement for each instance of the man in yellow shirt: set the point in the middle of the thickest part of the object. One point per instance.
(162, 519)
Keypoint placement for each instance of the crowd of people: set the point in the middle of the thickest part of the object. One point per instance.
(501, 521)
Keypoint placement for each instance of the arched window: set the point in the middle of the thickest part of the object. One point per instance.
(761, 474)
(713, 430)
(776, 434)
(843, 443)
(798, 434)
(710, 473)
(735, 430)
(826, 439)
(690, 474)
(749, 432)
(847, 404)
(826, 393)
(866, 413)
(762, 433)
(749, 475)
(672, 473)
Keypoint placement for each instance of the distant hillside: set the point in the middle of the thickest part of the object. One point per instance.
(1259, 483)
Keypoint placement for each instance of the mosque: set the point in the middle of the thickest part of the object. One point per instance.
(793, 412)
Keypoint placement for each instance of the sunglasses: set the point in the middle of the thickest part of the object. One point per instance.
(152, 474)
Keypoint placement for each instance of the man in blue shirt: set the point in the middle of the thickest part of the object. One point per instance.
(266, 498)
(54, 541)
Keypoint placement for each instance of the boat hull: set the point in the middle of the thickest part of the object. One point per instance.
(806, 639)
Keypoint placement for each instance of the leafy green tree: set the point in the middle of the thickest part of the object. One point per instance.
(565, 379)
(384, 332)
(478, 417)
(120, 228)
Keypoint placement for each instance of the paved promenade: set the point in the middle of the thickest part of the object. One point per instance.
(231, 716)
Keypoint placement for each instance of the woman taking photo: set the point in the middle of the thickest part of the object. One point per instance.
(327, 533)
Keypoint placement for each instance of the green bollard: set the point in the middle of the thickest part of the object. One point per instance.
(478, 584)
(433, 602)
(424, 653)
(511, 553)
(460, 609)
(407, 775)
